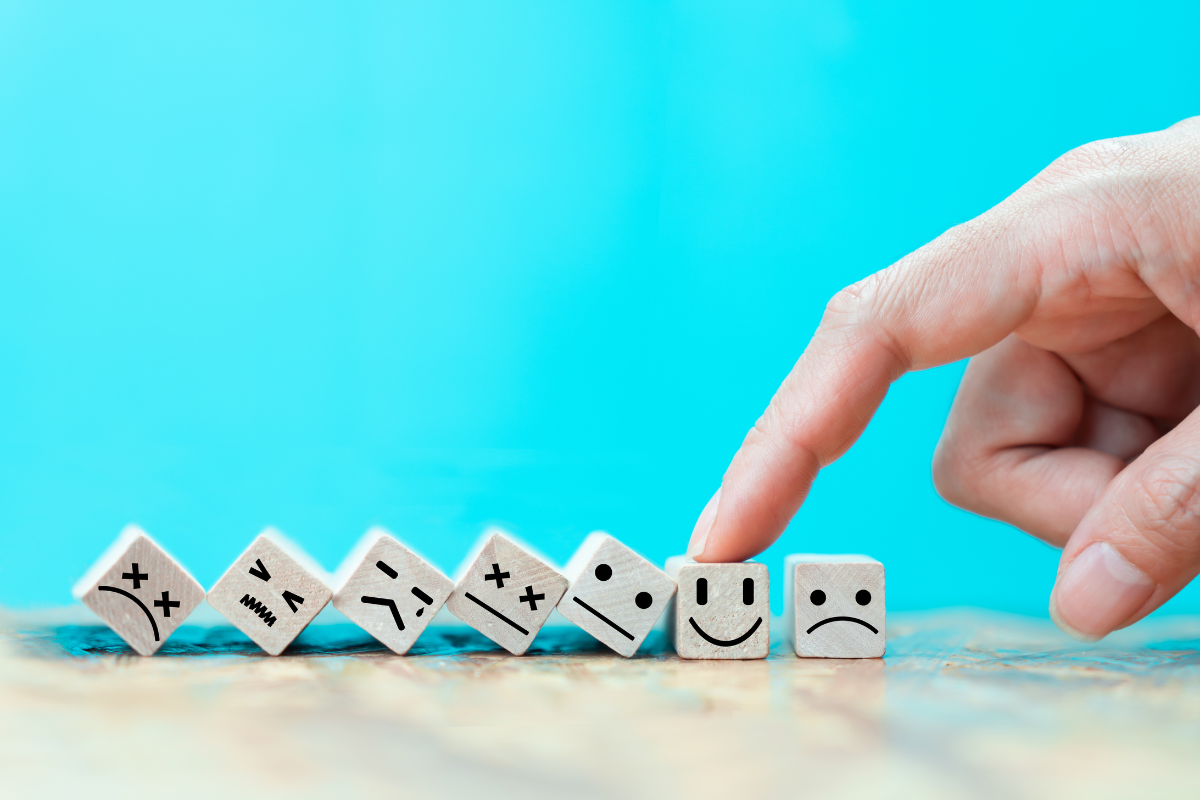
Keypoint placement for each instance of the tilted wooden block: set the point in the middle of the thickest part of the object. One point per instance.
(140, 591)
(615, 594)
(388, 590)
(721, 610)
(835, 605)
(271, 592)
(505, 592)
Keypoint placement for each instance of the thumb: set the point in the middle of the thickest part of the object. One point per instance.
(1139, 545)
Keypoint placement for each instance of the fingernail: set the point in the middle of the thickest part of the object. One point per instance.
(1097, 592)
(703, 525)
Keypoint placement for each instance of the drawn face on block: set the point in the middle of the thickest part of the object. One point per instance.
(506, 593)
(722, 611)
(615, 595)
(139, 591)
(838, 603)
(269, 594)
(391, 592)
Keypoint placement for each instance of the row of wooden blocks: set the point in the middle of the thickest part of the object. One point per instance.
(505, 590)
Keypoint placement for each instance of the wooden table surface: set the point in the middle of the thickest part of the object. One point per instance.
(966, 704)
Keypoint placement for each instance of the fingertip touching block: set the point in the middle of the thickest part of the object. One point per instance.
(615, 594)
(272, 591)
(139, 591)
(722, 611)
(506, 592)
(835, 606)
(388, 590)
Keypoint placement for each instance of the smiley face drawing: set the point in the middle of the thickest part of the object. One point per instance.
(837, 605)
(722, 611)
(615, 594)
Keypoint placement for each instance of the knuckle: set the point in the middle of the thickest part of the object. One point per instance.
(1168, 499)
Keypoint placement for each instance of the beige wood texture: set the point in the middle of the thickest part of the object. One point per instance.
(711, 618)
(380, 571)
(139, 591)
(824, 608)
(271, 592)
(615, 594)
(506, 592)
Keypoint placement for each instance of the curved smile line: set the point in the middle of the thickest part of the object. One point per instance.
(844, 619)
(141, 605)
(731, 642)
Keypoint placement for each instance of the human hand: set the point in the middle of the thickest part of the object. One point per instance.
(1079, 299)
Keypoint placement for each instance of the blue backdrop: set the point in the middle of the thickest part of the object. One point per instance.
(435, 265)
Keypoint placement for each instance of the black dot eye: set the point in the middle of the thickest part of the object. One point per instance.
(817, 597)
(643, 600)
(603, 572)
(863, 597)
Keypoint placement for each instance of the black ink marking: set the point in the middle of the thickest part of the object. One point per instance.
(531, 598)
(261, 572)
(260, 609)
(748, 591)
(386, 570)
(292, 600)
(135, 576)
(603, 572)
(817, 597)
(731, 642)
(391, 604)
(643, 600)
(420, 611)
(702, 591)
(605, 620)
(141, 605)
(485, 606)
(166, 604)
(863, 597)
(844, 619)
(497, 576)
(424, 598)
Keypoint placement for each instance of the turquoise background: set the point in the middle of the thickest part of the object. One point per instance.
(540, 264)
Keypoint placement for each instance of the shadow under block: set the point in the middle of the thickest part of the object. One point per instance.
(271, 592)
(834, 606)
(615, 594)
(139, 591)
(389, 591)
(721, 611)
(506, 593)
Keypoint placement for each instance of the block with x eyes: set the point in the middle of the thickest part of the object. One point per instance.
(139, 591)
(722, 611)
(615, 595)
(390, 591)
(271, 592)
(836, 606)
(506, 592)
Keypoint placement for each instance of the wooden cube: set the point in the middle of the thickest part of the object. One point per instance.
(835, 605)
(721, 611)
(615, 594)
(388, 590)
(271, 592)
(506, 592)
(139, 591)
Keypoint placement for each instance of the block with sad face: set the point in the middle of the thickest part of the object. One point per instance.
(836, 605)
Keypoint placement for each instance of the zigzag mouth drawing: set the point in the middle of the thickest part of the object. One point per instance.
(864, 623)
(725, 642)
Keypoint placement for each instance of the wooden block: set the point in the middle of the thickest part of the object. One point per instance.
(615, 594)
(835, 606)
(506, 592)
(139, 591)
(721, 610)
(271, 592)
(388, 590)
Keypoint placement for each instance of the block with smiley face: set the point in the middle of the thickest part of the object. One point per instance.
(836, 605)
(615, 595)
(390, 591)
(271, 592)
(506, 592)
(722, 611)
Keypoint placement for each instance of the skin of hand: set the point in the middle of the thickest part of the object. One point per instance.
(1078, 301)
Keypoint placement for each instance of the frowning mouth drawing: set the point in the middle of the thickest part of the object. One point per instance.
(828, 620)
